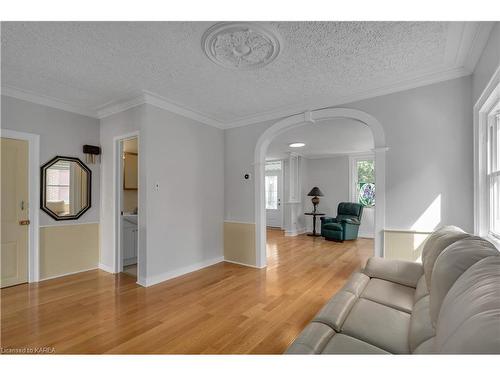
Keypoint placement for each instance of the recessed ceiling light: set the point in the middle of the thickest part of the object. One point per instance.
(296, 144)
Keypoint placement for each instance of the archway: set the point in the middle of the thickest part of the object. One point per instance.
(310, 118)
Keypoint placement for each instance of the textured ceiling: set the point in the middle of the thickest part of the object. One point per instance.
(323, 139)
(90, 64)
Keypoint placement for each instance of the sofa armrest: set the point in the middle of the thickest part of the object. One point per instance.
(398, 271)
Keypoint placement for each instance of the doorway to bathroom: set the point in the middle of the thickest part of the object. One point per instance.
(129, 206)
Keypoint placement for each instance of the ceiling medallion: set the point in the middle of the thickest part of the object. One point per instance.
(241, 45)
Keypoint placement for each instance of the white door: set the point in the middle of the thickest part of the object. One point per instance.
(273, 188)
(14, 186)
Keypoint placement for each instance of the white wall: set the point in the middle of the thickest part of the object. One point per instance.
(113, 126)
(185, 217)
(429, 134)
(487, 64)
(331, 175)
(181, 223)
(61, 133)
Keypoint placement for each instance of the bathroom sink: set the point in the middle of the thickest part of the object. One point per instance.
(130, 218)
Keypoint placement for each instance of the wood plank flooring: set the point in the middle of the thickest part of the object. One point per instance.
(225, 308)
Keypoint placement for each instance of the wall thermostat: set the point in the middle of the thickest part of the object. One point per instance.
(247, 176)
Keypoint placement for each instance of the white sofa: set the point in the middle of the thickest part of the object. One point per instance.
(448, 304)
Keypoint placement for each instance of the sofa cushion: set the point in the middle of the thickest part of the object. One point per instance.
(390, 294)
(336, 310)
(427, 347)
(421, 328)
(452, 263)
(344, 344)
(378, 325)
(398, 271)
(312, 339)
(356, 283)
(421, 290)
(435, 244)
(469, 319)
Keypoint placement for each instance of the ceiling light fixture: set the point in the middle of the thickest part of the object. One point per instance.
(296, 144)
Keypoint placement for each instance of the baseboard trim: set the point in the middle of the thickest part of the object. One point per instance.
(243, 264)
(106, 268)
(293, 233)
(67, 274)
(156, 279)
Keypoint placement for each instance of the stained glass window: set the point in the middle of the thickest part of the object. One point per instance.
(366, 182)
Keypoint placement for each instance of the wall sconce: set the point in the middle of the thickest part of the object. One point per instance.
(92, 154)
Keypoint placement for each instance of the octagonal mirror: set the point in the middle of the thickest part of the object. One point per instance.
(65, 188)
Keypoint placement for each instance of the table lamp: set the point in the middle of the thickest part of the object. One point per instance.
(315, 193)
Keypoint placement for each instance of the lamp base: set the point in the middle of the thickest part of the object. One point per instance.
(315, 202)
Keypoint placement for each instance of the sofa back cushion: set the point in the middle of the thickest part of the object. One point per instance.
(469, 320)
(451, 264)
(435, 244)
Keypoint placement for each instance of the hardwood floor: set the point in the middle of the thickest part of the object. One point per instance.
(225, 308)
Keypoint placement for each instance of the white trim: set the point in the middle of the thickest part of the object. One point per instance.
(117, 106)
(239, 222)
(156, 279)
(117, 199)
(68, 274)
(293, 233)
(478, 40)
(481, 110)
(106, 268)
(300, 120)
(161, 102)
(58, 224)
(148, 97)
(34, 198)
(470, 41)
(411, 83)
(45, 100)
(242, 264)
(407, 231)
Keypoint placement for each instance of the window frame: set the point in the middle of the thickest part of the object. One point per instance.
(485, 111)
(353, 175)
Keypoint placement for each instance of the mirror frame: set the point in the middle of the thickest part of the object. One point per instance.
(43, 180)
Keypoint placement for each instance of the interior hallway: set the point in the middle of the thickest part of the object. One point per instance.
(224, 308)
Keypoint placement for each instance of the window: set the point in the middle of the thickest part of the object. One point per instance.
(493, 172)
(273, 169)
(365, 182)
(58, 182)
(271, 192)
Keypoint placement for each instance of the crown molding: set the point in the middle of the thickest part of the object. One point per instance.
(148, 97)
(117, 106)
(471, 44)
(161, 102)
(407, 84)
(475, 42)
(44, 100)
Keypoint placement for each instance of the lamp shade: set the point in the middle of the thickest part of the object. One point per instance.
(315, 192)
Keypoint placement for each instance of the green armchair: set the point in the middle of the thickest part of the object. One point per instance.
(346, 225)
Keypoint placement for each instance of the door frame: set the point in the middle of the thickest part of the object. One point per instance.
(118, 197)
(280, 192)
(34, 198)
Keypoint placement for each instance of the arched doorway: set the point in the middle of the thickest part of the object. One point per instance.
(310, 118)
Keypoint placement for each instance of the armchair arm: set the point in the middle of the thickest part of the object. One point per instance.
(353, 221)
(395, 270)
(327, 219)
